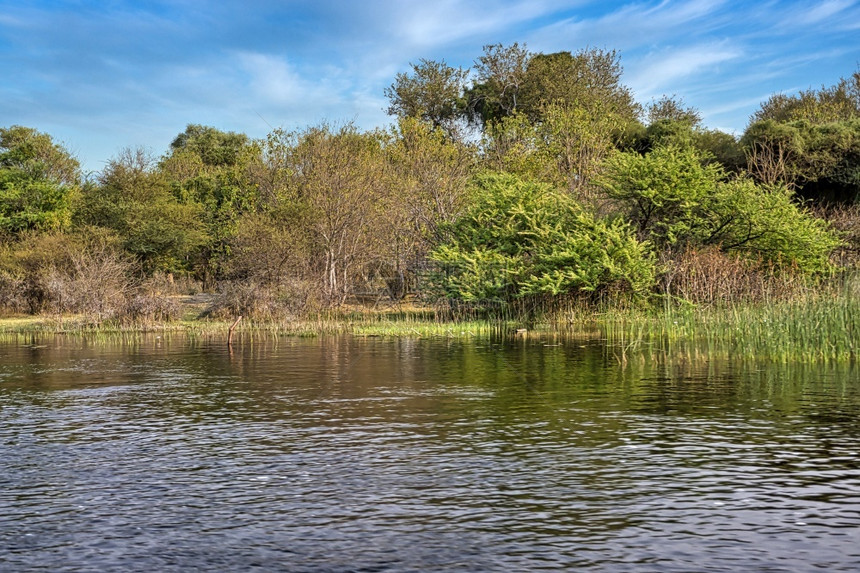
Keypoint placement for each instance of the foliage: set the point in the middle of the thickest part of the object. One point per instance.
(37, 156)
(328, 215)
(133, 199)
(336, 194)
(57, 272)
(672, 109)
(677, 201)
(38, 182)
(213, 172)
(433, 93)
(427, 175)
(840, 102)
(211, 146)
(501, 74)
(671, 123)
(565, 149)
(585, 79)
(822, 160)
(662, 191)
(521, 239)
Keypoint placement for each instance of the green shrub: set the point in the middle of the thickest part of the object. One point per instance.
(521, 238)
(678, 201)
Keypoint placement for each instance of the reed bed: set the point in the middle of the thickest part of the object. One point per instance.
(818, 326)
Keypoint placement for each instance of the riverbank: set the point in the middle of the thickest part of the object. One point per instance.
(815, 328)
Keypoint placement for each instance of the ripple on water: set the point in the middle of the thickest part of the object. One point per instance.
(348, 466)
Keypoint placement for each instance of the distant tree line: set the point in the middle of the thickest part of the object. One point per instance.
(529, 177)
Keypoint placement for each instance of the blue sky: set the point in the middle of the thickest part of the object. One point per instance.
(101, 76)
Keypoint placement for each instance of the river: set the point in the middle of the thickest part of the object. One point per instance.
(380, 455)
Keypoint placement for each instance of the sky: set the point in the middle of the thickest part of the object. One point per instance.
(103, 76)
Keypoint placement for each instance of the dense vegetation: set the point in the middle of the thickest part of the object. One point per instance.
(532, 181)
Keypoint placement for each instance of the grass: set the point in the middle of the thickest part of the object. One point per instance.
(817, 327)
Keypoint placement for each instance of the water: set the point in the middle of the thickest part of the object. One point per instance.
(414, 455)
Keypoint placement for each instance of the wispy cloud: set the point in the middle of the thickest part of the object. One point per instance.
(446, 21)
(101, 76)
(661, 71)
(819, 12)
(633, 24)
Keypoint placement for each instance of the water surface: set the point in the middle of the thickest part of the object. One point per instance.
(345, 454)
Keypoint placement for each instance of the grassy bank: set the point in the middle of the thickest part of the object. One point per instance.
(821, 327)
(818, 327)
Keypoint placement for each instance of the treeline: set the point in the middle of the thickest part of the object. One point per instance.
(529, 178)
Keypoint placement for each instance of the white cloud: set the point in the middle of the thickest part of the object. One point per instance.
(274, 81)
(446, 21)
(632, 25)
(658, 72)
(821, 12)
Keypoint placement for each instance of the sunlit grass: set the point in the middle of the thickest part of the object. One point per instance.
(816, 327)
(821, 327)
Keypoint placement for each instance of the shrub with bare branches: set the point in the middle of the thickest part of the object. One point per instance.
(710, 276)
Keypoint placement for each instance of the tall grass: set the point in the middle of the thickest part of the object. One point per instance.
(819, 326)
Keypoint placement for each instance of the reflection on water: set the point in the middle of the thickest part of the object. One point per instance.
(349, 454)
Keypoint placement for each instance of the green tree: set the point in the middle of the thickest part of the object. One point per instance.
(428, 172)
(216, 172)
(336, 192)
(133, 198)
(432, 92)
(677, 200)
(521, 239)
(840, 102)
(37, 155)
(820, 160)
(38, 181)
(565, 149)
(589, 79)
(500, 75)
(672, 109)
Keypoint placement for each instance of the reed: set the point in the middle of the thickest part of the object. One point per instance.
(816, 326)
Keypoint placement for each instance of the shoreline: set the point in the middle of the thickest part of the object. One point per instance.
(818, 329)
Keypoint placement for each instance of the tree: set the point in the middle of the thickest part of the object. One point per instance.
(38, 181)
(428, 175)
(212, 146)
(432, 93)
(672, 123)
(37, 155)
(500, 75)
(337, 182)
(672, 109)
(678, 201)
(431, 173)
(820, 161)
(214, 170)
(840, 102)
(520, 239)
(133, 198)
(590, 78)
(565, 149)
(810, 141)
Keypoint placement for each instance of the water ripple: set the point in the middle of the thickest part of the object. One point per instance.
(317, 458)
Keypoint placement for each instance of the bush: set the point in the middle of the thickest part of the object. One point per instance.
(150, 308)
(68, 273)
(679, 202)
(522, 239)
(13, 293)
(255, 300)
(709, 276)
